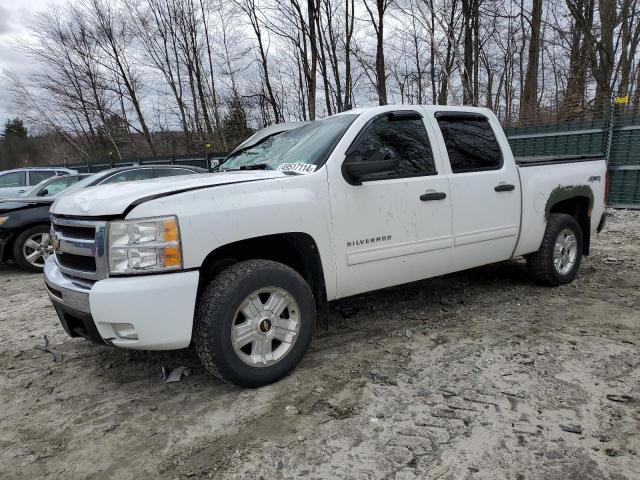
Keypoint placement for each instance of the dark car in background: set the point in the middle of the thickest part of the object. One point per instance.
(25, 223)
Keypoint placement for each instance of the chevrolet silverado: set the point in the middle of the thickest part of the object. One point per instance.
(242, 262)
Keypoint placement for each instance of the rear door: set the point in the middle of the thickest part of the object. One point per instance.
(485, 188)
(396, 227)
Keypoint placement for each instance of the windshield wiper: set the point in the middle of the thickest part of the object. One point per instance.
(251, 166)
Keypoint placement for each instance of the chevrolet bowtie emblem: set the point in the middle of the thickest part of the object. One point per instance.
(55, 243)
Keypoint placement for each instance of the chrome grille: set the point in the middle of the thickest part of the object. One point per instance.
(80, 247)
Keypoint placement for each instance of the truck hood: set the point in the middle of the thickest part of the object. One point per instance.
(116, 199)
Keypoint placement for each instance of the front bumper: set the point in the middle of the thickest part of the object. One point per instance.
(158, 308)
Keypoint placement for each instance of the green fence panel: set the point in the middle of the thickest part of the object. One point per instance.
(589, 137)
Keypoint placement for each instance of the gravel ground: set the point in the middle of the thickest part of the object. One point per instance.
(466, 376)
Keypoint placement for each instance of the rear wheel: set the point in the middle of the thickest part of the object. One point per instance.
(32, 248)
(254, 322)
(558, 260)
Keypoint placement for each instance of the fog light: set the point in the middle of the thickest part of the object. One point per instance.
(125, 330)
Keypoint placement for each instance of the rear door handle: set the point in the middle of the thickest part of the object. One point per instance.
(505, 187)
(433, 196)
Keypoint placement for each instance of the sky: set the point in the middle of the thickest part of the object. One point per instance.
(15, 18)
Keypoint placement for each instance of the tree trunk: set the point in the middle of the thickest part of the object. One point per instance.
(381, 72)
(214, 94)
(529, 103)
(467, 72)
(312, 75)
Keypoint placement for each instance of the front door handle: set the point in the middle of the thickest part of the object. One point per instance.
(433, 196)
(505, 187)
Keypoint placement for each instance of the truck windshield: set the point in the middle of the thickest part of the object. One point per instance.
(310, 144)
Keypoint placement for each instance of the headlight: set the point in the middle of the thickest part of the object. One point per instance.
(144, 245)
(3, 220)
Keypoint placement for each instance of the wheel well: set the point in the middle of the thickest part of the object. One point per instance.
(7, 252)
(296, 250)
(578, 208)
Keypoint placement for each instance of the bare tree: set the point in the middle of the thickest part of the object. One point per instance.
(529, 101)
(113, 35)
(377, 10)
(118, 78)
(252, 13)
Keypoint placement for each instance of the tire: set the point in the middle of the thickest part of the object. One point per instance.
(34, 242)
(258, 287)
(551, 267)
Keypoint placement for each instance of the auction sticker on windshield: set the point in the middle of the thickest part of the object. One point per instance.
(297, 167)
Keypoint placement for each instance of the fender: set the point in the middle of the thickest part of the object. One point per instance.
(562, 193)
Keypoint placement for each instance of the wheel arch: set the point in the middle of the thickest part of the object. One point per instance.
(297, 250)
(576, 202)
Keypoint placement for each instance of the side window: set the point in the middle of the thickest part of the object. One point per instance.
(12, 179)
(406, 137)
(56, 186)
(35, 177)
(171, 172)
(130, 175)
(471, 144)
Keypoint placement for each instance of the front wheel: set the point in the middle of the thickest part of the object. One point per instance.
(32, 248)
(558, 260)
(254, 322)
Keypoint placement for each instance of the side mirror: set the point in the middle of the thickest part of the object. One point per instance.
(356, 170)
(42, 193)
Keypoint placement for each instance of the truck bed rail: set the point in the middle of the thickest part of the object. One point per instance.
(553, 159)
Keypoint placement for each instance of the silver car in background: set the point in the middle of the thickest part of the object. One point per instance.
(14, 183)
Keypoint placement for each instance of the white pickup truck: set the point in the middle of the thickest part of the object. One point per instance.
(242, 262)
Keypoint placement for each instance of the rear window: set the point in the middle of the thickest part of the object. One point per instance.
(471, 144)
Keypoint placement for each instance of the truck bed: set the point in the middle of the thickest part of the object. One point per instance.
(555, 177)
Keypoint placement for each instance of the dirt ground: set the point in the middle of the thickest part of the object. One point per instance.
(463, 377)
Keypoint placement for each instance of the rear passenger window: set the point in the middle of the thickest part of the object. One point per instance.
(471, 144)
(406, 137)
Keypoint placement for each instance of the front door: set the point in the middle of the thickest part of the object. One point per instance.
(396, 226)
(12, 184)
